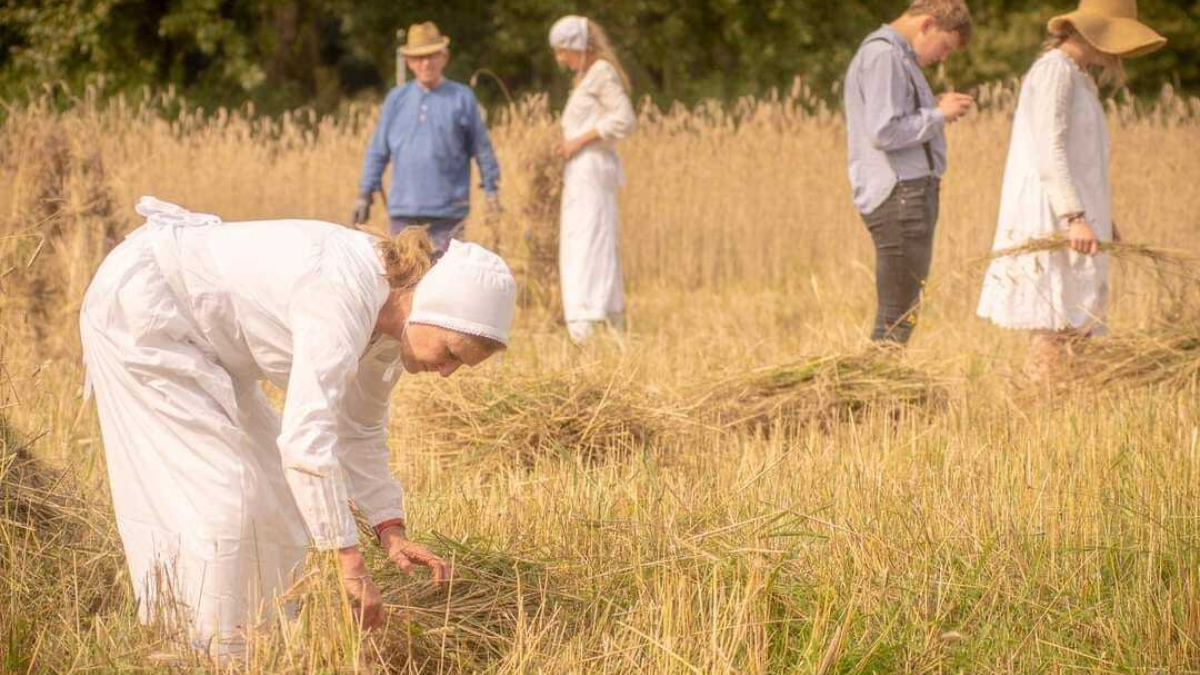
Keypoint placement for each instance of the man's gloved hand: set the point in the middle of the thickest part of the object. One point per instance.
(362, 210)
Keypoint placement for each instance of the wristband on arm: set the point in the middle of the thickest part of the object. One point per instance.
(390, 522)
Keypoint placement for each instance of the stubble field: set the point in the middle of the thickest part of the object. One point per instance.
(738, 486)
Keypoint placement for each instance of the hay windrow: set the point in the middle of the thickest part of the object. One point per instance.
(584, 413)
(820, 390)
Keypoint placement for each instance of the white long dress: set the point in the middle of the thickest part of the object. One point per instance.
(1057, 165)
(216, 497)
(590, 267)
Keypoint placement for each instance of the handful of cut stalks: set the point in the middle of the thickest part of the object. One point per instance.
(823, 390)
(1181, 262)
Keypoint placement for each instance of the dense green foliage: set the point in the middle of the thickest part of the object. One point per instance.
(285, 53)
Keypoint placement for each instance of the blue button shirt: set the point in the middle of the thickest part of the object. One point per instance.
(430, 137)
(886, 130)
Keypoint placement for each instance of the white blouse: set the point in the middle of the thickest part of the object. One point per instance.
(1058, 164)
(295, 302)
(599, 102)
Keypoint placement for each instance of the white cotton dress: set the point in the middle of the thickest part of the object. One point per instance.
(589, 261)
(1057, 165)
(216, 496)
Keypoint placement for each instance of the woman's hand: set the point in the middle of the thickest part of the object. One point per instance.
(1082, 237)
(572, 146)
(407, 554)
(365, 597)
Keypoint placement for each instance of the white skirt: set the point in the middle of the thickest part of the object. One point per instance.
(210, 530)
(589, 260)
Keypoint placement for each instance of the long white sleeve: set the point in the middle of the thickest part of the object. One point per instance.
(330, 328)
(363, 431)
(1050, 103)
(617, 119)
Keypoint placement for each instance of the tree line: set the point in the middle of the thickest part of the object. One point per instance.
(281, 54)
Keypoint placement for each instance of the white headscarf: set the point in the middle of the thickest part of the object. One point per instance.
(468, 290)
(570, 32)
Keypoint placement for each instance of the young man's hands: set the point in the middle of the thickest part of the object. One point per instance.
(954, 105)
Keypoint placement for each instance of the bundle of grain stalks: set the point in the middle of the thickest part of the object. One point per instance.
(583, 413)
(819, 390)
(473, 620)
(527, 236)
(1177, 263)
(61, 222)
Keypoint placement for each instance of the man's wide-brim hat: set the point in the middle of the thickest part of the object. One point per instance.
(1111, 26)
(424, 39)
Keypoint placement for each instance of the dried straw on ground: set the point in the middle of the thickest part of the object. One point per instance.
(473, 620)
(1170, 357)
(582, 413)
(824, 389)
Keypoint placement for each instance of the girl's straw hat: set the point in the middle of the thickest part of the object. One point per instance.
(1111, 26)
(424, 39)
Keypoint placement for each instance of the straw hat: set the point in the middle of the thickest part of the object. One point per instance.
(424, 39)
(1111, 26)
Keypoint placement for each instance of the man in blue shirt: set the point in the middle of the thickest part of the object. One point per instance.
(897, 150)
(429, 129)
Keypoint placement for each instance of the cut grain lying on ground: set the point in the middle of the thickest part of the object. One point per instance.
(827, 390)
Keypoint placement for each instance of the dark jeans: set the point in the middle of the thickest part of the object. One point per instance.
(441, 230)
(902, 229)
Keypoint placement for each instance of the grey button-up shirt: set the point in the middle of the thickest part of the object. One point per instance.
(886, 130)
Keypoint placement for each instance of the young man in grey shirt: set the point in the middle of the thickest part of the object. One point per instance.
(897, 147)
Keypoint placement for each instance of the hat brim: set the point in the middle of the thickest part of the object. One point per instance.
(1126, 38)
(425, 50)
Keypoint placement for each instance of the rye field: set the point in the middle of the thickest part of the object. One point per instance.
(740, 485)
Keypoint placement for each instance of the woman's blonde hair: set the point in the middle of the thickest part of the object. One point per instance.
(406, 257)
(600, 48)
(1111, 73)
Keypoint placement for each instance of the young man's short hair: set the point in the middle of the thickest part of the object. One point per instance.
(950, 15)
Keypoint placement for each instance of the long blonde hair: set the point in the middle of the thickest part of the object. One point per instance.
(1111, 73)
(407, 256)
(599, 47)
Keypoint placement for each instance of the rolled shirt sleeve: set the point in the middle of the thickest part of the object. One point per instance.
(619, 119)
(330, 329)
(891, 121)
(363, 431)
(1050, 107)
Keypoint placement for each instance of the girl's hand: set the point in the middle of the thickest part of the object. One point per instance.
(407, 554)
(1082, 237)
(364, 595)
(571, 147)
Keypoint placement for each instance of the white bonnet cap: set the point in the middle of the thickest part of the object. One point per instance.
(570, 32)
(468, 290)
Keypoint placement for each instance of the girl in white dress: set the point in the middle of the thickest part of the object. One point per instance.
(597, 115)
(1057, 182)
(217, 497)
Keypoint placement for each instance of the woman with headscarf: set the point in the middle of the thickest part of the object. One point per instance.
(1057, 183)
(597, 115)
(216, 496)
